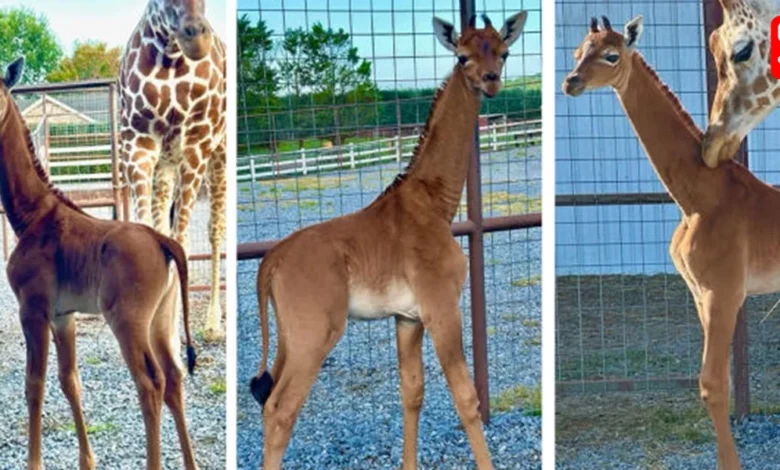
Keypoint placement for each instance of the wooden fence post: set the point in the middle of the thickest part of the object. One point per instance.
(713, 17)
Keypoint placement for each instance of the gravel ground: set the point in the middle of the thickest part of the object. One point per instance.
(109, 397)
(353, 417)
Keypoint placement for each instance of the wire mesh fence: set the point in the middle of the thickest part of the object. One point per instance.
(624, 318)
(73, 130)
(310, 152)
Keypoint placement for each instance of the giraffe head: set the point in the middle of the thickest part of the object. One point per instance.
(185, 22)
(746, 91)
(481, 52)
(604, 57)
(13, 75)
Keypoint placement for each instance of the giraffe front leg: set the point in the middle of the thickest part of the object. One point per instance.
(162, 188)
(139, 174)
(217, 193)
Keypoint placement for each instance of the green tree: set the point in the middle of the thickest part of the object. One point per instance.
(323, 64)
(257, 78)
(25, 33)
(257, 82)
(91, 60)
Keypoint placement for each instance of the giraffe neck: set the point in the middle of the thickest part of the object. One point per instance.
(154, 24)
(442, 158)
(24, 189)
(669, 137)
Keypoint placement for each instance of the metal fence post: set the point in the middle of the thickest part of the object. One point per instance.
(303, 161)
(114, 153)
(477, 258)
(713, 17)
(352, 155)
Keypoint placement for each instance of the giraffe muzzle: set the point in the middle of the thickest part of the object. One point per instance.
(195, 38)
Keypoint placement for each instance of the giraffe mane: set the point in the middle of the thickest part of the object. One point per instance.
(401, 177)
(680, 110)
(39, 169)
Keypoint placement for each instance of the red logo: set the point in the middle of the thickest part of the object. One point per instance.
(774, 48)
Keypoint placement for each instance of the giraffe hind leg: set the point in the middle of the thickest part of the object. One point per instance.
(217, 195)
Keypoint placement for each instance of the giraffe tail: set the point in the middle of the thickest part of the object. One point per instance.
(173, 250)
(262, 383)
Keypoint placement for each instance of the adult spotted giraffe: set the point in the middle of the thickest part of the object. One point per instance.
(172, 102)
(747, 92)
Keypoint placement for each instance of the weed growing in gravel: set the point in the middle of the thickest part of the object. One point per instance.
(531, 323)
(93, 360)
(519, 397)
(304, 183)
(96, 428)
(528, 281)
(218, 387)
(505, 203)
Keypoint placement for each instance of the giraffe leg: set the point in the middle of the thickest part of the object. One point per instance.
(35, 325)
(186, 195)
(162, 188)
(217, 188)
(64, 329)
(167, 347)
(442, 319)
(409, 336)
(139, 176)
(133, 338)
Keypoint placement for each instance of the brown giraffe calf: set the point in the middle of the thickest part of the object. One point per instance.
(397, 257)
(67, 261)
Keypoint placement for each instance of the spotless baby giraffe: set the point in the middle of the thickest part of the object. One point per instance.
(397, 257)
(67, 261)
(727, 245)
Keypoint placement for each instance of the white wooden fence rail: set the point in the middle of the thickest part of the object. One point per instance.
(493, 137)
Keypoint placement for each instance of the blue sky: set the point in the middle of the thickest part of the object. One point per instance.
(110, 21)
(412, 58)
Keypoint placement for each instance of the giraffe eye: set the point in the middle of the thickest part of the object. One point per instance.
(504, 56)
(743, 53)
(612, 58)
(463, 59)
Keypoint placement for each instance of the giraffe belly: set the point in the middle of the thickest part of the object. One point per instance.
(397, 299)
(69, 302)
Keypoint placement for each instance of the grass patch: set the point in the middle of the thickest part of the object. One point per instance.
(661, 423)
(530, 399)
(491, 330)
(535, 341)
(218, 387)
(528, 281)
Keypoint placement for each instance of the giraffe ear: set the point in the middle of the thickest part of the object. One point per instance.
(632, 31)
(446, 34)
(14, 73)
(512, 28)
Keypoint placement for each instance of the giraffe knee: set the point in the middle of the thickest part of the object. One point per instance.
(713, 390)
